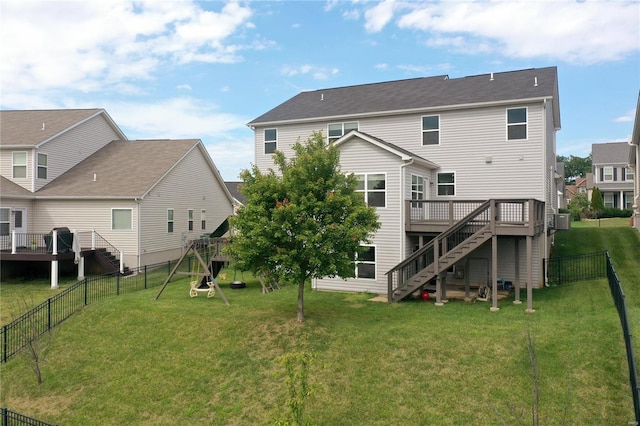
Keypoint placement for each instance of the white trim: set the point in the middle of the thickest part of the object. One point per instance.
(368, 262)
(525, 123)
(366, 190)
(130, 219)
(454, 183)
(423, 131)
(264, 140)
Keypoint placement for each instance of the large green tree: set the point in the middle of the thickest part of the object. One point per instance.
(304, 222)
(575, 167)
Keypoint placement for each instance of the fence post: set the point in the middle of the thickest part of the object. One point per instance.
(118, 285)
(4, 344)
(49, 314)
(85, 292)
(145, 276)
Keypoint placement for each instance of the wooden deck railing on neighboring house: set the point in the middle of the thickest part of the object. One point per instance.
(57, 242)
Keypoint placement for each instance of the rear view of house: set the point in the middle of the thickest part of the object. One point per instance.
(74, 171)
(462, 173)
(612, 173)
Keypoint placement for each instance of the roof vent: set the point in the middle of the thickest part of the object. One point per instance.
(95, 177)
(535, 81)
(322, 96)
(491, 78)
(42, 125)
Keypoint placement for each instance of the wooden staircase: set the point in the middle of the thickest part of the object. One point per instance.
(110, 262)
(441, 253)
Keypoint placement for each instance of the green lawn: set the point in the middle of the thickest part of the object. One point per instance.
(182, 360)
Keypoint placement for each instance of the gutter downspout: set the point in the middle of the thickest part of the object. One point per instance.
(139, 256)
(403, 182)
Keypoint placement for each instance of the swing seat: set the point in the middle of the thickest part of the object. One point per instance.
(197, 288)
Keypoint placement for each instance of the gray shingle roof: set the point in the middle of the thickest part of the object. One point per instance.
(121, 168)
(25, 128)
(610, 153)
(234, 189)
(11, 189)
(416, 94)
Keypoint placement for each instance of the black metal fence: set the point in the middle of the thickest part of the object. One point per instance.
(44, 317)
(582, 267)
(11, 418)
(619, 300)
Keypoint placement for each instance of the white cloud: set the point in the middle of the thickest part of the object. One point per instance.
(184, 87)
(318, 73)
(100, 45)
(377, 17)
(576, 32)
(626, 118)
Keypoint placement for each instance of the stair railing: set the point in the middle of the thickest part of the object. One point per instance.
(439, 246)
(91, 240)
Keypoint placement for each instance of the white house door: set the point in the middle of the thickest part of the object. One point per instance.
(419, 191)
(19, 220)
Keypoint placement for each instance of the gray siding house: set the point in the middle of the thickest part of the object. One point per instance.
(470, 160)
(634, 161)
(613, 174)
(75, 170)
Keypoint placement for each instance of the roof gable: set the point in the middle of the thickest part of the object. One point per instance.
(34, 127)
(402, 153)
(417, 94)
(126, 169)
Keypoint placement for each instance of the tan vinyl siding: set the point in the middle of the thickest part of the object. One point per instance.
(189, 185)
(6, 166)
(357, 156)
(73, 146)
(83, 216)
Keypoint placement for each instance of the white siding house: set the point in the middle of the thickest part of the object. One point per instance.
(449, 145)
(144, 199)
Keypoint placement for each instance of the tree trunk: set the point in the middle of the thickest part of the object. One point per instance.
(301, 301)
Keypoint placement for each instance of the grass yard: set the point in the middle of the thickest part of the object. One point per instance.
(182, 360)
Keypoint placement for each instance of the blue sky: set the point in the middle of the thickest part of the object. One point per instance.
(183, 69)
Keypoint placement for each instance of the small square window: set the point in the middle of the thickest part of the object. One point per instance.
(446, 184)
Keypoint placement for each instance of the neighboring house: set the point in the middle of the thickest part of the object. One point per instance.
(238, 197)
(583, 186)
(634, 161)
(561, 187)
(612, 174)
(75, 169)
(428, 151)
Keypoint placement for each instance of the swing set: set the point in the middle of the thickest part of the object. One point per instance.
(204, 274)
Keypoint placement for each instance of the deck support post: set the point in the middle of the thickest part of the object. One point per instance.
(439, 290)
(467, 282)
(54, 275)
(81, 268)
(494, 273)
(529, 274)
(516, 284)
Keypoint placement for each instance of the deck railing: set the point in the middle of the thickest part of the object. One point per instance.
(523, 212)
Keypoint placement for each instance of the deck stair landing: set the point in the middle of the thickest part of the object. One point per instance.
(442, 252)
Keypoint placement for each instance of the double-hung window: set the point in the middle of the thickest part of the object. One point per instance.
(431, 130)
(608, 200)
(629, 173)
(5, 220)
(516, 124)
(338, 130)
(169, 221)
(121, 219)
(607, 174)
(190, 219)
(42, 166)
(203, 219)
(270, 141)
(19, 164)
(366, 263)
(447, 183)
(374, 188)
